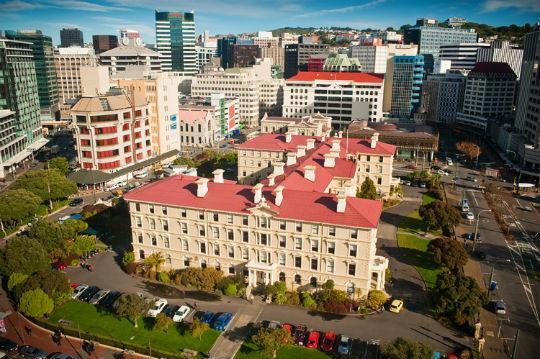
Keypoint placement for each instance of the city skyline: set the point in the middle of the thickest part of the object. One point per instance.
(107, 17)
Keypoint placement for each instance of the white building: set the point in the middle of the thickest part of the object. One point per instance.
(372, 58)
(502, 51)
(68, 62)
(130, 52)
(205, 55)
(344, 96)
(462, 56)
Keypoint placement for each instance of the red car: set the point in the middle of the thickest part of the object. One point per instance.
(313, 339)
(288, 327)
(59, 266)
(328, 342)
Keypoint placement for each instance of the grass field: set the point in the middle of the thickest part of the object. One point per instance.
(414, 249)
(98, 321)
(427, 199)
(250, 350)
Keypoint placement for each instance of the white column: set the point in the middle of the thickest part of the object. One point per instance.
(252, 281)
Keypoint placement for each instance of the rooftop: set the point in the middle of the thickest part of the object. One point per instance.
(492, 68)
(360, 77)
(107, 103)
(190, 116)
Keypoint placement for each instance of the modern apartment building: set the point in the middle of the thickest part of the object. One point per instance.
(111, 130)
(489, 95)
(372, 58)
(175, 41)
(71, 37)
(312, 125)
(297, 56)
(104, 43)
(406, 85)
(394, 50)
(462, 56)
(12, 144)
(344, 96)
(68, 62)
(502, 51)
(442, 96)
(131, 52)
(43, 54)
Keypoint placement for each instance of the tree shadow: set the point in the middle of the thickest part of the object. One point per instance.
(326, 316)
(413, 257)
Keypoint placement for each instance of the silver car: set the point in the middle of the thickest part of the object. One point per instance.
(98, 296)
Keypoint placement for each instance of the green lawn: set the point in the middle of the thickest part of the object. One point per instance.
(427, 199)
(98, 321)
(250, 350)
(414, 250)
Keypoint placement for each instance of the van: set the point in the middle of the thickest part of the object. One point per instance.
(449, 161)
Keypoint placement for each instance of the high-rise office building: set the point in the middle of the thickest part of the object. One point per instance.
(104, 43)
(462, 56)
(394, 50)
(407, 85)
(297, 56)
(71, 37)
(502, 51)
(372, 58)
(223, 48)
(43, 52)
(175, 41)
(242, 55)
(68, 62)
(442, 96)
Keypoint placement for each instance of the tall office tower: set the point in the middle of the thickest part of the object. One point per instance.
(68, 62)
(19, 92)
(71, 37)
(175, 41)
(223, 48)
(489, 95)
(463, 56)
(372, 58)
(429, 37)
(407, 85)
(442, 96)
(502, 51)
(43, 52)
(394, 50)
(297, 56)
(104, 43)
(528, 109)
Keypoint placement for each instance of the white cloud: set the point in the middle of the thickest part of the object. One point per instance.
(524, 5)
(18, 5)
(115, 24)
(342, 10)
(21, 5)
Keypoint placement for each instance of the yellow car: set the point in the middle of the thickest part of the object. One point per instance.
(396, 306)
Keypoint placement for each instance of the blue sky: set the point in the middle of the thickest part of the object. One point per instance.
(236, 16)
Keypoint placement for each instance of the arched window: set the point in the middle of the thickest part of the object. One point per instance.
(298, 279)
(282, 277)
(313, 282)
(141, 254)
(203, 263)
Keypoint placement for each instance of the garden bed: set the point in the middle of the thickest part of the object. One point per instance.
(250, 350)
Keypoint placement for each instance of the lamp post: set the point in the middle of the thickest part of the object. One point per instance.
(476, 227)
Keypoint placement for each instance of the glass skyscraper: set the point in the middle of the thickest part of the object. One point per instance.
(175, 41)
(407, 85)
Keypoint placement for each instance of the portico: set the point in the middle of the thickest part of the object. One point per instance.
(259, 273)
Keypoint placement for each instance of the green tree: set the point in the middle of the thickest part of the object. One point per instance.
(328, 285)
(54, 283)
(401, 348)
(61, 164)
(74, 226)
(16, 279)
(83, 244)
(230, 290)
(155, 261)
(307, 300)
(367, 190)
(438, 214)
(162, 322)
(376, 299)
(23, 255)
(457, 298)
(49, 185)
(198, 328)
(35, 303)
(131, 306)
(186, 161)
(127, 258)
(17, 205)
(53, 236)
(449, 253)
(271, 340)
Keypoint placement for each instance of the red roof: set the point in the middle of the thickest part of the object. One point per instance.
(315, 207)
(274, 142)
(337, 76)
(192, 116)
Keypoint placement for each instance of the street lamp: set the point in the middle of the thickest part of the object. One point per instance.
(476, 227)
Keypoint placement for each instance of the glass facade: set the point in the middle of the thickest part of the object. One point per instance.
(175, 40)
(407, 85)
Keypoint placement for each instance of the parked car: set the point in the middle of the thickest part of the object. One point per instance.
(222, 321)
(313, 339)
(471, 178)
(8, 345)
(60, 356)
(422, 185)
(328, 341)
(157, 307)
(442, 172)
(110, 298)
(59, 265)
(89, 293)
(288, 327)
(170, 310)
(480, 255)
(300, 333)
(96, 298)
(396, 306)
(78, 291)
(449, 161)
(470, 216)
(28, 351)
(274, 324)
(344, 345)
(463, 202)
(499, 307)
(207, 317)
(470, 237)
(181, 313)
(407, 183)
(75, 202)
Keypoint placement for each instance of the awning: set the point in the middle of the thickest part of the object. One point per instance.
(38, 144)
(16, 159)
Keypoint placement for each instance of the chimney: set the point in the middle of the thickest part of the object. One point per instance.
(340, 134)
(342, 201)
(288, 136)
(271, 179)
(279, 195)
(374, 139)
(300, 151)
(257, 190)
(291, 158)
(309, 173)
(329, 160)
(323, 138)
(278, 168)
(202, 187)
(310, 143)
(335, 146)
(218, 175)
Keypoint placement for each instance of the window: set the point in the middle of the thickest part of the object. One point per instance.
(353, 250)
(183, 227)
(245, 254)
(298, 262)
(138, 221)
(229, 219)
(381, 158)
(281, 276)
(314, 245)
(152, 223)
(203, 263)
(166, 243)
(202, 247)
(164, 210)
(314, 263)
(282, 241)
(230, 234)
(354, 233)
(298, 227)
(298, 243)
(231, 269)
(263, 240)
(264, 222)
(314, 229)
(202, 231)
(352, 269)
(332, 231)
(313, 282)
(216, 250)
(245, 236)
(151, 209)
(298, 279)
(368, 158)
(330, 266)
(154, 241)
(215, 217)
(245, 220)
(183, 212)
(331, 247)
(201, 215)
(185, 245)
(230, 251)
(138, 207)
(263, 256)
(186, 261)
(140, 237)
(379, 181)
(141, 254)
(282, 225)
(282, 259)
(215, 232)
(165, 225)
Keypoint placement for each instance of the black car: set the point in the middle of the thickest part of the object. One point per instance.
(75, 202)
(110, 298)
(88, 293)
(300, 334)
(170, 309)
(8, 345)
(30, 352)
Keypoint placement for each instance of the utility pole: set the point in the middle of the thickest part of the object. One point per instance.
(514, 349)
(490, 280)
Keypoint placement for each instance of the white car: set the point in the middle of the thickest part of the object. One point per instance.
(442, 172)
(181, 313)
(78, 291)
(470, 216)
(157, 307)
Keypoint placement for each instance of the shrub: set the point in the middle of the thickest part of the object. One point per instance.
(376, 299)
(337, 307)
(328, 285)
(16, 279)
(162, 322)
(230, 290)
(201, 278)
(163, 277)
(128, 258)
(292, 298)
(307, 300)
(35, 303)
